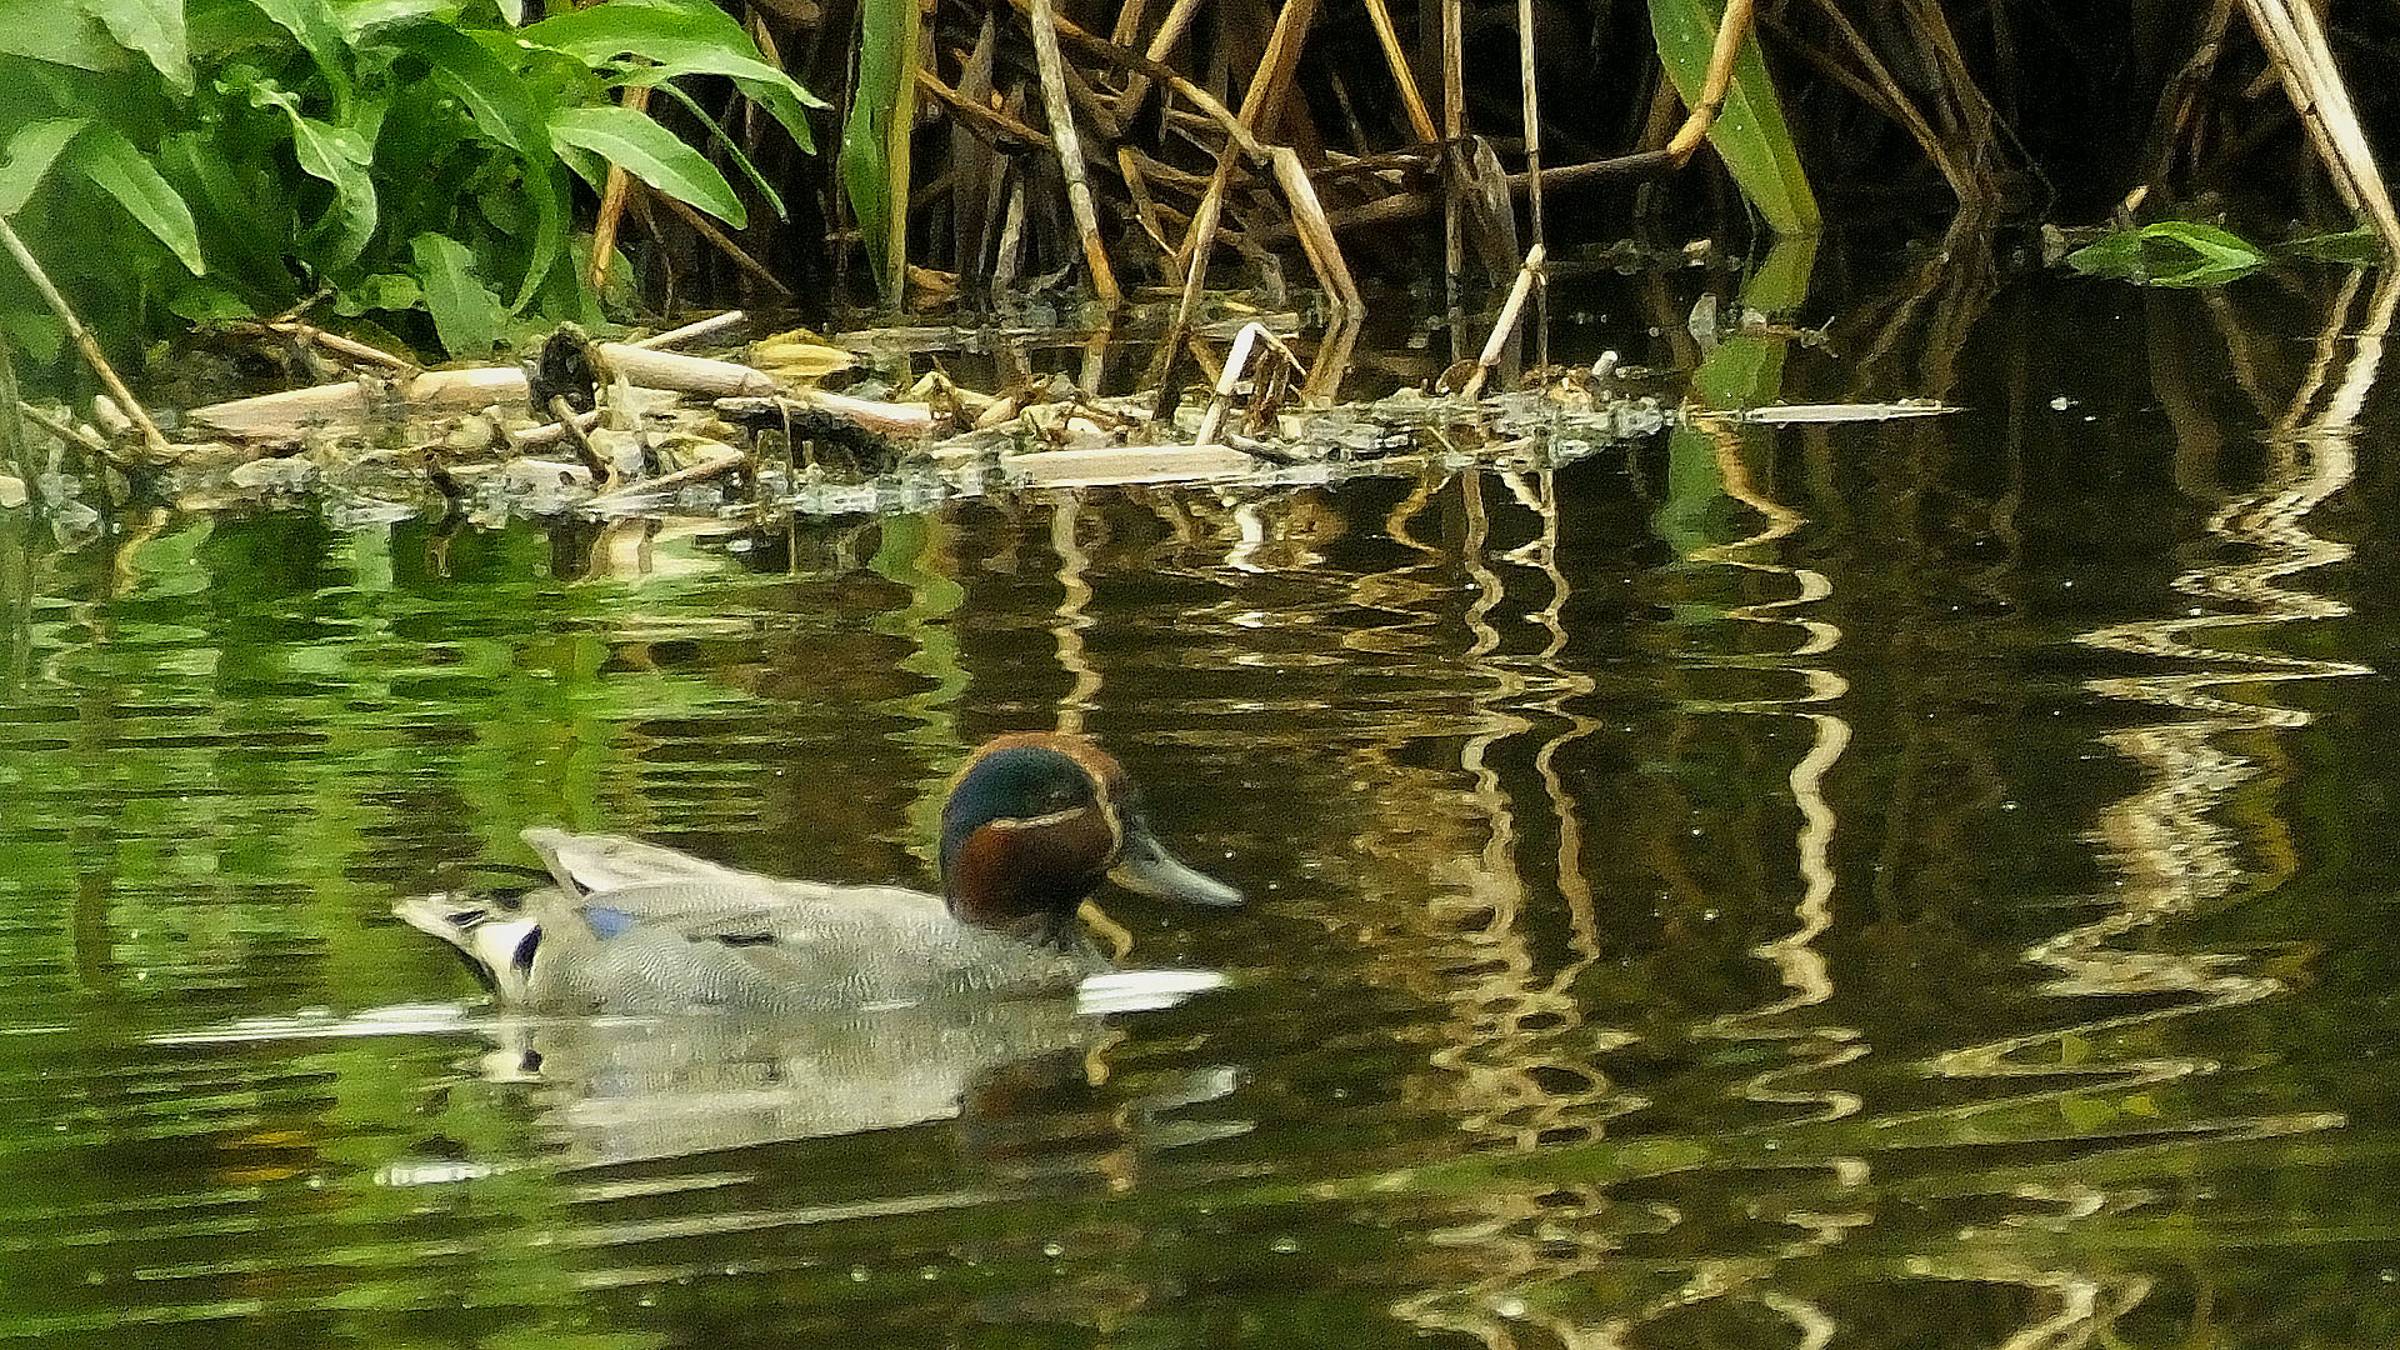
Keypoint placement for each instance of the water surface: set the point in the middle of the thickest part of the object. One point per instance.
(1902, 885)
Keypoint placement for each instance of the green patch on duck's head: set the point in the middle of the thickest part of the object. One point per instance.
(1034, 823)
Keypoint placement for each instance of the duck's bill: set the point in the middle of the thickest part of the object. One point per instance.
(1146, 868)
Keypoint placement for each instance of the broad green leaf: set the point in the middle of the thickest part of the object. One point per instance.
(125, 173)
(466, 314)
(495, 96)
(339, 155)
(1750, 134)
(668, 38)
(155, 29)
(58, 32)
(359, 18)
(651, 153)
(319, 31)
(2180, 253)
(874, 157)
(31, 152)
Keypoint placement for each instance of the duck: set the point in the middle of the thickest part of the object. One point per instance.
(1033, 824)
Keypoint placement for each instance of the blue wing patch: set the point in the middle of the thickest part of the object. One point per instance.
(608, 923)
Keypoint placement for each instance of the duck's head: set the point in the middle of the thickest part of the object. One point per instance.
(1036, 822)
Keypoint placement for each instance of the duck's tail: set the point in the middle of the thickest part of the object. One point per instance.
(496, 940)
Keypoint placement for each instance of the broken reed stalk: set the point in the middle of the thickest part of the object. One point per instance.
(2295, 42)
(1262, 104)
(1454, 131)
(1420, 120)
(1506, 324)
(1162, 45)
(153, 440)
(1070, 152)
(617, 188)
(1237, 364)
(1731, 30)
(1533, 174)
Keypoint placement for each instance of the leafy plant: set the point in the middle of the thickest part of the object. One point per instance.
(2170, 253)
(215, 159)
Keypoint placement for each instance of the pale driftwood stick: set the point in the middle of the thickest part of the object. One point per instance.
(685, 374)
(884, 419)
(471, 389)
(153, 440)
(1507, 323)
(991, 120)
(1454, 160)
(723, 460)
(1109, 466)
(1162, 45)
(695, 330)
(1533, 175)
(1069, 145)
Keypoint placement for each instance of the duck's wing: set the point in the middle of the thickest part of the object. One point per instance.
(587, 864)
(681, 943)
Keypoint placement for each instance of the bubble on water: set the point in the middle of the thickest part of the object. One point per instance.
(1053, 1250)
(858, 1274)
(1285, 1246)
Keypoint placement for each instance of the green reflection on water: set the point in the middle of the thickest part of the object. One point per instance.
(1932, 900)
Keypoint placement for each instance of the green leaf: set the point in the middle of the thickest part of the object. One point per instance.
(125, 173)
(874, 155)
(2179, 253)
(2359, 247)
(31, 152)
(359, 18)
(495, 96)
(155, 29)
(651, 153)
(319, 31)
(339, 155)
(1749, 134)
(466, 314)
(57, 32)
(665, 39)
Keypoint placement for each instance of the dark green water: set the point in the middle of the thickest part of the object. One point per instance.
(1926, 884)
